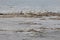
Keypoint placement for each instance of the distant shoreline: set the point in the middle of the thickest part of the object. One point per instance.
(28, 14)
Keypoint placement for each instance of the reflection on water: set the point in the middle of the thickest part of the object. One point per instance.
(28, 29)
(50, 35)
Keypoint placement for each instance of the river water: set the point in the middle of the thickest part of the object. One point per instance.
(9, 26)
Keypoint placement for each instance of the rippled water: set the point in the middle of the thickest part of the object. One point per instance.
(15, 24)
(10, 28)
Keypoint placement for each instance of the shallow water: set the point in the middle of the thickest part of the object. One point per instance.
(29, 36)
(11, 25)
(21, 23)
